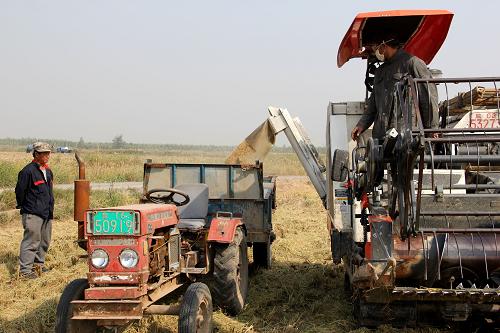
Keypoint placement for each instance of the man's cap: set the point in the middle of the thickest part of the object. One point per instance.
(42, 147)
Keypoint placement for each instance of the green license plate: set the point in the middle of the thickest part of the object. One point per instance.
(113, 223)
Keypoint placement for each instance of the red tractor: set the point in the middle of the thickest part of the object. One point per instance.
(138, 254)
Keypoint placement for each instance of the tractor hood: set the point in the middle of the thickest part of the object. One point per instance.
(422, 32)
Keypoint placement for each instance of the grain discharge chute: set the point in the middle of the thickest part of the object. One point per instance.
(258, 144)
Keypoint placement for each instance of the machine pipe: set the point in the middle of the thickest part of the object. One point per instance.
(460, 213)
(457, 130)
(462, 159)
(467, 187)
(460, 231)
(81, 200)
(433, 259)
(458, 79)
(81, 166)
(467, 139)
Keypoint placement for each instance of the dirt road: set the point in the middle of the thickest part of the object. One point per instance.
(96, 186)
(130, 185)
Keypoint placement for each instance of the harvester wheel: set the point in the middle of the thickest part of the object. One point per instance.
(195, 314)
(230, 278)
(64, 324)
(262, 254)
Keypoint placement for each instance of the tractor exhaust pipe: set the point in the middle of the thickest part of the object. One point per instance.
(81, 200)
(81, 167)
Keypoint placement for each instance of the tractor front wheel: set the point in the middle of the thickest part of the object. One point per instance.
(230, 278)
(64, 324)
(195, 314)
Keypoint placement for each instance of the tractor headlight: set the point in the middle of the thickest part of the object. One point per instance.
(128, 258)
(99, 258)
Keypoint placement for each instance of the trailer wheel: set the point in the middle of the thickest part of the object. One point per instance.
(262, 255)
(230, 278)
(196, 309)
(64, 324)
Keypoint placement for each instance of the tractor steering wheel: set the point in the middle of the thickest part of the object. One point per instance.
(167, 197)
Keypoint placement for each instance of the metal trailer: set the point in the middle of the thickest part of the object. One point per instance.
(240, 190)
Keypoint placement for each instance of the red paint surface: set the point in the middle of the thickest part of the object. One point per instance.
(424, 43)
(222, 230)
(368, 250)
(116, 292)
(364, 200)
(379, 218)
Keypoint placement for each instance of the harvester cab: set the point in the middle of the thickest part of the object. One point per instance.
(177, 235)
(414, 215)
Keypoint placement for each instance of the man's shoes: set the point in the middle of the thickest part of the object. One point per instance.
(40, 269)
(28, 276)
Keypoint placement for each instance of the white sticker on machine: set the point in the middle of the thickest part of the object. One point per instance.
(342, 208)
(342, 198)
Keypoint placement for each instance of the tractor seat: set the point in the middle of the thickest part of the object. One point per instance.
(193, 216)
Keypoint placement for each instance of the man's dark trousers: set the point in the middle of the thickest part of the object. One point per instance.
(35, 243)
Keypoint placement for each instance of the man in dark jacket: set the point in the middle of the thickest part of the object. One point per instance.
(35, 199)
(380, 111)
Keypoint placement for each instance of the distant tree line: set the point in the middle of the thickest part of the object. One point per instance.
(119, 143)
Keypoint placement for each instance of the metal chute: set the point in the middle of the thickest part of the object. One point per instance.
(258, 144)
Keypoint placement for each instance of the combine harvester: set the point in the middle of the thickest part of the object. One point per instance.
(420, 243)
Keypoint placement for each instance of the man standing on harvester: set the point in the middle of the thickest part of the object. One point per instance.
(380, 110)
(35, 199)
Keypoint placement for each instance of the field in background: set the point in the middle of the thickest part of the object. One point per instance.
(303, 292)
(126, 165)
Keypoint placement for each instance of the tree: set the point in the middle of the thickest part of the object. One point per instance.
(81, 143)
(118, 142)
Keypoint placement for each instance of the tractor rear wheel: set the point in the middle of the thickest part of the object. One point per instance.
(262, 254)
(230, 278)
(64, 324)
(195, 314)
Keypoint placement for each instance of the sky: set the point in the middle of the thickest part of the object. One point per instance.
(197, 72)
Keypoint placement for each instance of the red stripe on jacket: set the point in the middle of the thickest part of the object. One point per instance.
(38, 182)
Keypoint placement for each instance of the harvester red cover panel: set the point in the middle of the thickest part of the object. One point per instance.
(422, 32)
